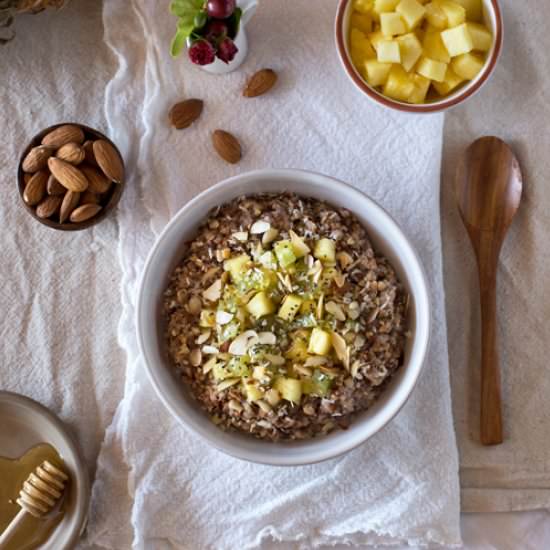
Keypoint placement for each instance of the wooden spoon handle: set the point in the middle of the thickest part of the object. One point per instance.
(491, 403)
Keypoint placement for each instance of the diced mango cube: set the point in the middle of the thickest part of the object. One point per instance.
(452, 80)
(363, 6)
(325, 250)
(236, 266)
(320, 342)
(375, 38)
(473, 9)
(290, 307)
(457, 40)
(289, 388)
(361, 48)
(382, 6)
(434, 47)
(432, 69)
(482, 39)
(410, 49)
(399, 85)
(285, 253)
(388, 52)
(436, 16)
(377, 73)
(411, 11)
(456, 14)
(421, 87)
(392, 24)
(362, 22)
(467, 65)
(260, 305)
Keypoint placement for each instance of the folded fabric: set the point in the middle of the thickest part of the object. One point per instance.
(400, 486)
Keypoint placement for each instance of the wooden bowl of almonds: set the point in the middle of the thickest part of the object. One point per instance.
(70, 176)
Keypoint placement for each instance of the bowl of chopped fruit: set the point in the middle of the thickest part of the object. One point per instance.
(283, 316)
(419, 56)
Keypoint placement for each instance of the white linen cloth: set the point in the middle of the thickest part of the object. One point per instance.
(59, 290)
(400, 486)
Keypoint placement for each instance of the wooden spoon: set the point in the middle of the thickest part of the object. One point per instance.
(488, 190)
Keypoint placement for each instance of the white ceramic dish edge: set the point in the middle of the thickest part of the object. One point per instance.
(168, 250)
(46, 427)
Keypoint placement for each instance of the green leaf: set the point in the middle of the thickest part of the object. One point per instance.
(178, 42)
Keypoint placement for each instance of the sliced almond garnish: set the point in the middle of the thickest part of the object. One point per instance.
(267, 338)
(269, 236)
(344, 259)
(194, 305)
(241, 236)
(234, 405)
(320, 303)
(339, 279)
(276, 360)
(315, 361)
(264, 406)
(223, 317)
(340, 347)
(214, 291)
(227, 383)
(210, 350)
(241, 343)
(334, 309)
(259, 227)
(302, 369)
(203, 337)
(195, 357)
(355, 368)
(210, 364)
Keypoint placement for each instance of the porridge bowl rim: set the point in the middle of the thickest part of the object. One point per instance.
(387, 238)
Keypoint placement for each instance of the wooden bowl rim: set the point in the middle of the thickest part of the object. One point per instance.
(110, 206)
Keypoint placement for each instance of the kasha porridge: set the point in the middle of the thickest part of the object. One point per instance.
(282, 319)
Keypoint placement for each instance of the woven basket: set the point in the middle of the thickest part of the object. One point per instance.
(10, 8)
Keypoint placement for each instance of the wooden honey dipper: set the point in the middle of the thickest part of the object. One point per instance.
(40, 493)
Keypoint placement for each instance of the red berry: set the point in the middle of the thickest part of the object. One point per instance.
(202, 52)
(215, 31)
(220, 9)
(227, 50)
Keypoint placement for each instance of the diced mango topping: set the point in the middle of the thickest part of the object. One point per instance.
(436, 43)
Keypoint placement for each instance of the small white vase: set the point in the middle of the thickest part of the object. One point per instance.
(218, 66)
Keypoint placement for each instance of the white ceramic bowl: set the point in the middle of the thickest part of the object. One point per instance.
(386, 237)
(492, 18)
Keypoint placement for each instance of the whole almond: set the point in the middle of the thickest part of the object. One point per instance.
(89, 152)
(36, 188)
(109, 160)
(68, 133)
(84, 212)
(26, 177)
(184, 113)
(54, 187)
(70, 201)
(48, 207)
(37, 158)
(227, 146)
(97, 181)
(68, 175)
(260, 83)
(71, 153)
(89, 198)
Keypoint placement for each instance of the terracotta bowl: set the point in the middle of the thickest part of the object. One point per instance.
(492, 18)
(109, 203)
